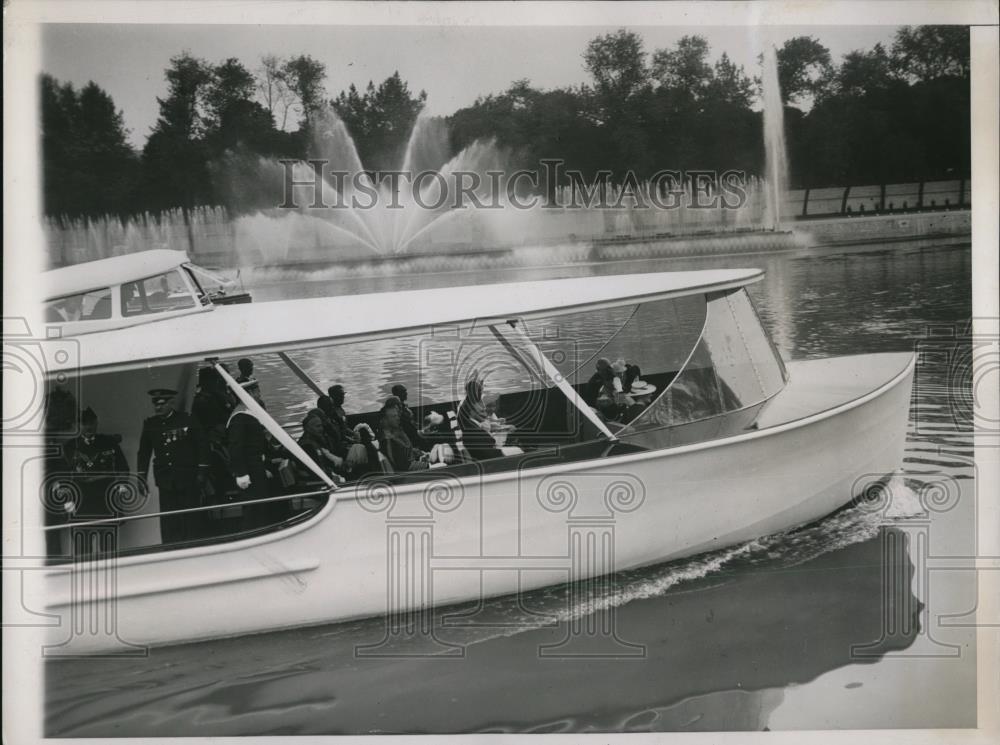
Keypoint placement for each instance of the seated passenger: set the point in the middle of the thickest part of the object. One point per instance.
(328, 416)
(472, 416)
(494, 425)
(601, 381)
(337, 414)
(395, 443)
(318, 446)
(245, 366)
(441, 438)
(407, 419)
(471, 412)
(69, 309)
(639, 399)
(363, 457)
(627, 372)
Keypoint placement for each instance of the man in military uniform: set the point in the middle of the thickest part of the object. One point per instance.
(94, 462)
(175, 442)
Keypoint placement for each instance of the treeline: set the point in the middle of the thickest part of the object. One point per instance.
(876, 116)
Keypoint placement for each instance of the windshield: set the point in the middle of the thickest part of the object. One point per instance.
(157, 294)
(732, 372)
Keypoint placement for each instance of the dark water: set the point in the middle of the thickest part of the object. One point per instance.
(826, 627)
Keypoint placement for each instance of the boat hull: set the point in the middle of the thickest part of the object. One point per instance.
(379, 550)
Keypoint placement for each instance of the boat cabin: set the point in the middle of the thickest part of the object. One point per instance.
(550, 373)
(131, 289)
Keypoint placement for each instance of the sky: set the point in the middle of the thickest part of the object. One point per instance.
(455, 64)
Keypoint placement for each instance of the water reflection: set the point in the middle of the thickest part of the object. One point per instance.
(778, 612)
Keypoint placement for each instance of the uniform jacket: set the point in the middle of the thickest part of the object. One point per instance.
(101, 456)
(175, 442)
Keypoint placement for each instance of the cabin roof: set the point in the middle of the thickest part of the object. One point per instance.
(116, 270)
(255, 328)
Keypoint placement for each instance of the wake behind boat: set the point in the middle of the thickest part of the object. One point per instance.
(637, 410)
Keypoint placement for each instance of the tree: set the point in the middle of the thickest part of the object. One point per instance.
(685, 68)
(304, 77)
(862, 73)
(730, 84)
(804, 68)
(272, 88)
(380, 121)
(231, 83)
(88, 166)
(617, 64)
(234, 117)
(175, 159)
(183, 111)
(931, 52)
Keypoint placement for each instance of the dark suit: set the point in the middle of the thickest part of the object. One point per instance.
(176, 444)
(212, 412)
(249, 455)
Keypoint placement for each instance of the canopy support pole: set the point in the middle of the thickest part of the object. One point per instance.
(301, 374)
(273, 427)
(563, 384)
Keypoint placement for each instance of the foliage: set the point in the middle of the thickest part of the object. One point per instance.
(804, 68)
(880, 115)
(380, 121)
(88, 166)
(924, 53)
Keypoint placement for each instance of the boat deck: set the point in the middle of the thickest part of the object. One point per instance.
(816, 386)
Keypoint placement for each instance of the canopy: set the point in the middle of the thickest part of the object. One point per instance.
(255, 328)
(94, 275)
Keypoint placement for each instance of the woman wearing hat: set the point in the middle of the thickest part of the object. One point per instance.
(639, 398)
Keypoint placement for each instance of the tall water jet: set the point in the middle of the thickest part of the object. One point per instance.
(776, 159)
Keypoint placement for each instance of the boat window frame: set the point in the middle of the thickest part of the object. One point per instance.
(770, 338)
(203, 297)
(109, 289)
(140, 283)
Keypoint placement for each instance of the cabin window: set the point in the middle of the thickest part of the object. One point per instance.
(88, 306)
(159, 294)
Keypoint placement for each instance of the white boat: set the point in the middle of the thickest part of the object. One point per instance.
(734, 444)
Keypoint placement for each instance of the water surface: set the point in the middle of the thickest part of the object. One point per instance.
(826, 627)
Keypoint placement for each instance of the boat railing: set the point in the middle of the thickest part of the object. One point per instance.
(187, 510)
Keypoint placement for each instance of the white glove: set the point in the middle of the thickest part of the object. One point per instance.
(243, 482)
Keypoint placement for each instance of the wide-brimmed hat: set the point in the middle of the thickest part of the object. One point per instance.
(433, 419)
(642, 388)
(619, 365)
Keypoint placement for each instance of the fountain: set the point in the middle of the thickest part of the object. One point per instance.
(776, 159)
(399, 232)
